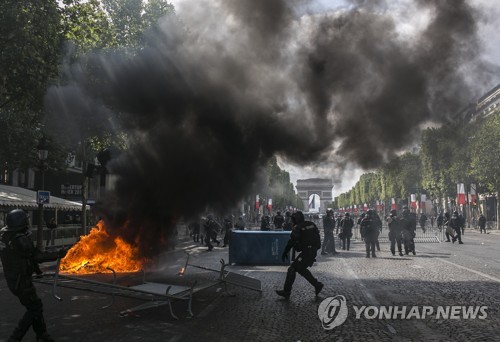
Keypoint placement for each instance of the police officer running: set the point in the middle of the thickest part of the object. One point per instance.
(20, 259)
(369, 231)
(394, 232)
(304, 238)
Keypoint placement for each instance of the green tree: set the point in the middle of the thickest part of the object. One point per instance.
(86, 25)
(30, 40)
(485, 155)
(409, 177)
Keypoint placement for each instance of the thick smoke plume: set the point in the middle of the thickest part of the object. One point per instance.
(211, 97)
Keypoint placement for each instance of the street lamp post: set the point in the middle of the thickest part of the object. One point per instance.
(42, 157)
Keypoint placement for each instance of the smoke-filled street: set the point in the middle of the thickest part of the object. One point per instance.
(440, 275)
(178, 170)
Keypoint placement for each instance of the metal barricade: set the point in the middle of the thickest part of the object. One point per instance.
(431, 234)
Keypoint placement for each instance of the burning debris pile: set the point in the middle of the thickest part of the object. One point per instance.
(98, 251)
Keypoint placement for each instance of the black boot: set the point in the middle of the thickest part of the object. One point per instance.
(45, 337)
(318, 288)
(283, 293)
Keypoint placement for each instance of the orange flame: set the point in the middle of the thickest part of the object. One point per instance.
(98, 251)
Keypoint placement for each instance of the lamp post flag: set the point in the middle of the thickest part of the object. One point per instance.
(473, 193)
(257, 202)
(461, 193)
(393, 204)
(413, 201)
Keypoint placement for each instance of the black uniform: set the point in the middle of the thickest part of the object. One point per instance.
(265, 223)
(346, 225)
(20, 260)
(378, 224)
(329, 239)
(482, 224)
(440, 221)
(195, 230)
(395, 235)
(240, 224)
(369, 232)
(52, 232)
(278, 221)
(305, 239)
(228, 227)
(211, 228)
(422, 221)
(408, 227)
(288, 225)
(446, 223)
(456, 223)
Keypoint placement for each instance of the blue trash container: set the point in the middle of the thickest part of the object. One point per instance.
(258, 247)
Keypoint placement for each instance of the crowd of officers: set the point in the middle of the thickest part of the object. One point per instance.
(402, 229)
(206, 229)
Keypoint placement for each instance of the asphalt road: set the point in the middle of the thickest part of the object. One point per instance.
(440, 276)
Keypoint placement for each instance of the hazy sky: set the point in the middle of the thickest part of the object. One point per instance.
(408, 22)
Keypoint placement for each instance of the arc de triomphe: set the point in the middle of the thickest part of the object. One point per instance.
(319, 186)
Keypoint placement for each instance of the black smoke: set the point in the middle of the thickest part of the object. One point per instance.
(213, 96)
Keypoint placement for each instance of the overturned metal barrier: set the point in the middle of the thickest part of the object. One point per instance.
(226, 277)
(154, 294)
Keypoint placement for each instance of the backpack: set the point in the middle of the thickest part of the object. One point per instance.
(310, 235)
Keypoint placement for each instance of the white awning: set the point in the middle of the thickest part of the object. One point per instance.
(13, 196)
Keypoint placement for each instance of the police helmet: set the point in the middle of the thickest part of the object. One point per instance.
(455, 213)
(347, 214)
(298, 217)
(17, 220)
(406, 212)
(394, 212)
(369, 212)
(210, 217)
(288, 213)
(278, 213)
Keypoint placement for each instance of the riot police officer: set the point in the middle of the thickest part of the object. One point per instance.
(408, 228)
(346, 225)
(228, 227)
(20, 259)
(328, 240)
(394, 232)
(456, 223)
(211, 228)
(288, 225)
(305, 239)
(440, 220)
(278, 221)
(369, 231)
(265, 223)
(482, 224)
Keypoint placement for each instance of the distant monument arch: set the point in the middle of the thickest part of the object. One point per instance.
(315, 186)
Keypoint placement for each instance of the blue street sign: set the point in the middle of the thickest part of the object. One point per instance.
(43, 197)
